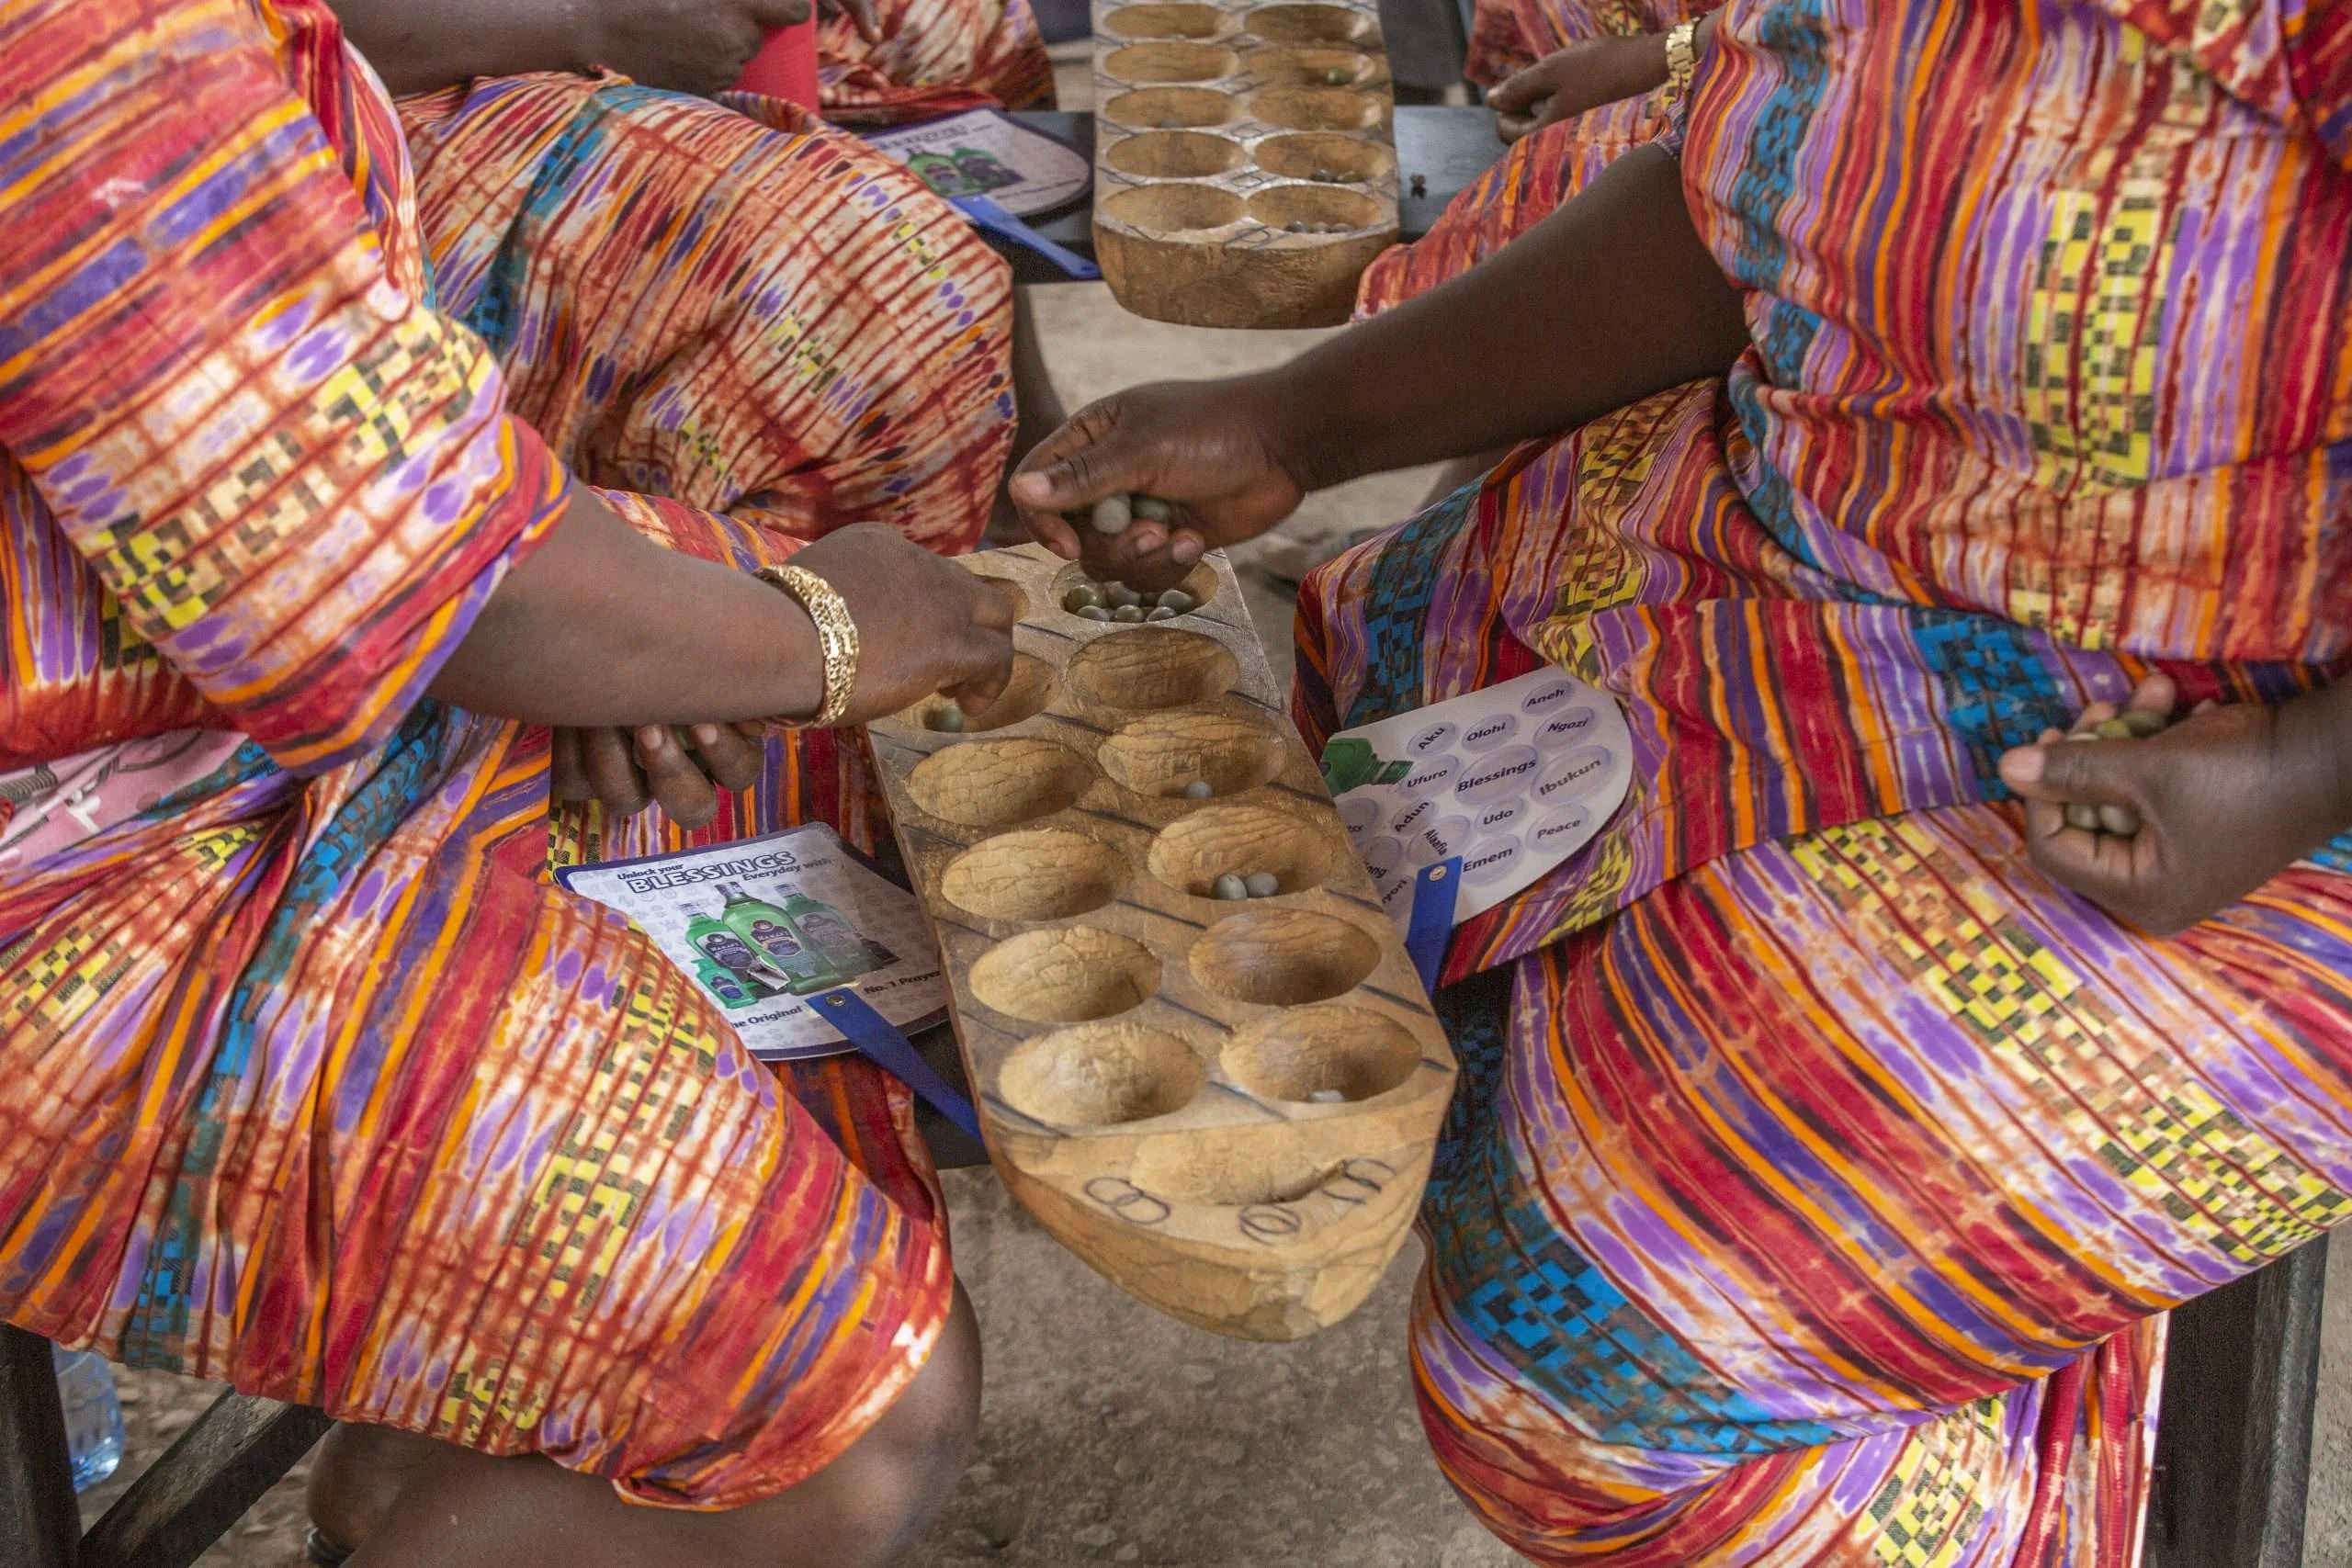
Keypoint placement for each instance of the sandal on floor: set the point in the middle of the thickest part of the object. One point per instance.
(323, 1551)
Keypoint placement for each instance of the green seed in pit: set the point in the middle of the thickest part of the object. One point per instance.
(1337, 76)
(1119, 596)
(1294, 228)
(1131, 614)
(1175, 599)
(1095, 613)
(949, 719)
(2120, 821)
(2145, 722)
(1198, 790)
(2078, 815)
(1159, 613)
(2112, 729)
(1152, 509)
(1327, 1097)
(1079, 598)
(1262, 884)
(1111, 515)
(1230, 888)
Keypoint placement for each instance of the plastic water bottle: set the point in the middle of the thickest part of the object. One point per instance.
(93, 1416)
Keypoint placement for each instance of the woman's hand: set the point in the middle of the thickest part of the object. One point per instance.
(1214, 448)
(924, 624)
(688, 45)
(628, 770)
(1586, 75)
(2226, 800)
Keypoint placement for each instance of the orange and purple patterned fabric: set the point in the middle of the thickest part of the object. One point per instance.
(935, 57)
(1822, 1170)
(310, 1079)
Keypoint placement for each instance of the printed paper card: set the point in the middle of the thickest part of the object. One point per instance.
(983, 153)
(1514, 779)
(763, 924)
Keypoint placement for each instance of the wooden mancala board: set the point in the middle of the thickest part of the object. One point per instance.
(1227, 1108)
(1245, 166)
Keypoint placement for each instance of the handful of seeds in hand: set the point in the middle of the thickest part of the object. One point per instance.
(2116, 821)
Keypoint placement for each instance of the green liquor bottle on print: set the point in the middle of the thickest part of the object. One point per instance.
(849, 953)
(731, 966)
(781, 945)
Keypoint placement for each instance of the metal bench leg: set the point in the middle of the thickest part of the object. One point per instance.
(2234, 1442)
(39, 1525)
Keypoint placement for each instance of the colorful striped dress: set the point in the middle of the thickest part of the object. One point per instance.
(1822, 1170)
(934, 56)
(1542, 169)
(310, 1079)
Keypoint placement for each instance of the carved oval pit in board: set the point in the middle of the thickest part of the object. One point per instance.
(1283, 957)
(1165, 20)
(1168, 64)
(1201, 582)
(1101, 1075)
(1031, 687)
(1069, 975)
(1153, 667)
(1171, 108)
(1174, 209)
(1045, 873)
(1191, 852)
(1162, 752)
(1302, 154)
(998, 783)
(1302, 1052)
(1313, 64)
(1317, 204)
(1175, 156)
(1320, 109)
(1309, 24)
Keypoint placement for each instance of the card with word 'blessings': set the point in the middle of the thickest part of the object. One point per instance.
(764, 924)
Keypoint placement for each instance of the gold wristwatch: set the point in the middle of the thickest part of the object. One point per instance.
(1681, 61)
(836, 635)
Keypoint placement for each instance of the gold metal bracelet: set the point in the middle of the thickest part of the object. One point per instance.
(836, 635)
(1681, 61)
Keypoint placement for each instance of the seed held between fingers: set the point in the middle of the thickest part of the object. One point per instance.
(2145, 722)
(2082, 815)
(1152, 509)
(2113, 729)
(1111, 515)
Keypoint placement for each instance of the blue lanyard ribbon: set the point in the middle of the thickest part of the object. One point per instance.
(879, 1041)
(1431, 925)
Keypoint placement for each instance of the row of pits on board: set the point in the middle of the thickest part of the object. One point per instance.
(1311, 79)
(1101, 1070)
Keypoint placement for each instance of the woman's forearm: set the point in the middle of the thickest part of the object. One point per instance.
(420, 45)
(1611, 299)
(600, 625)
